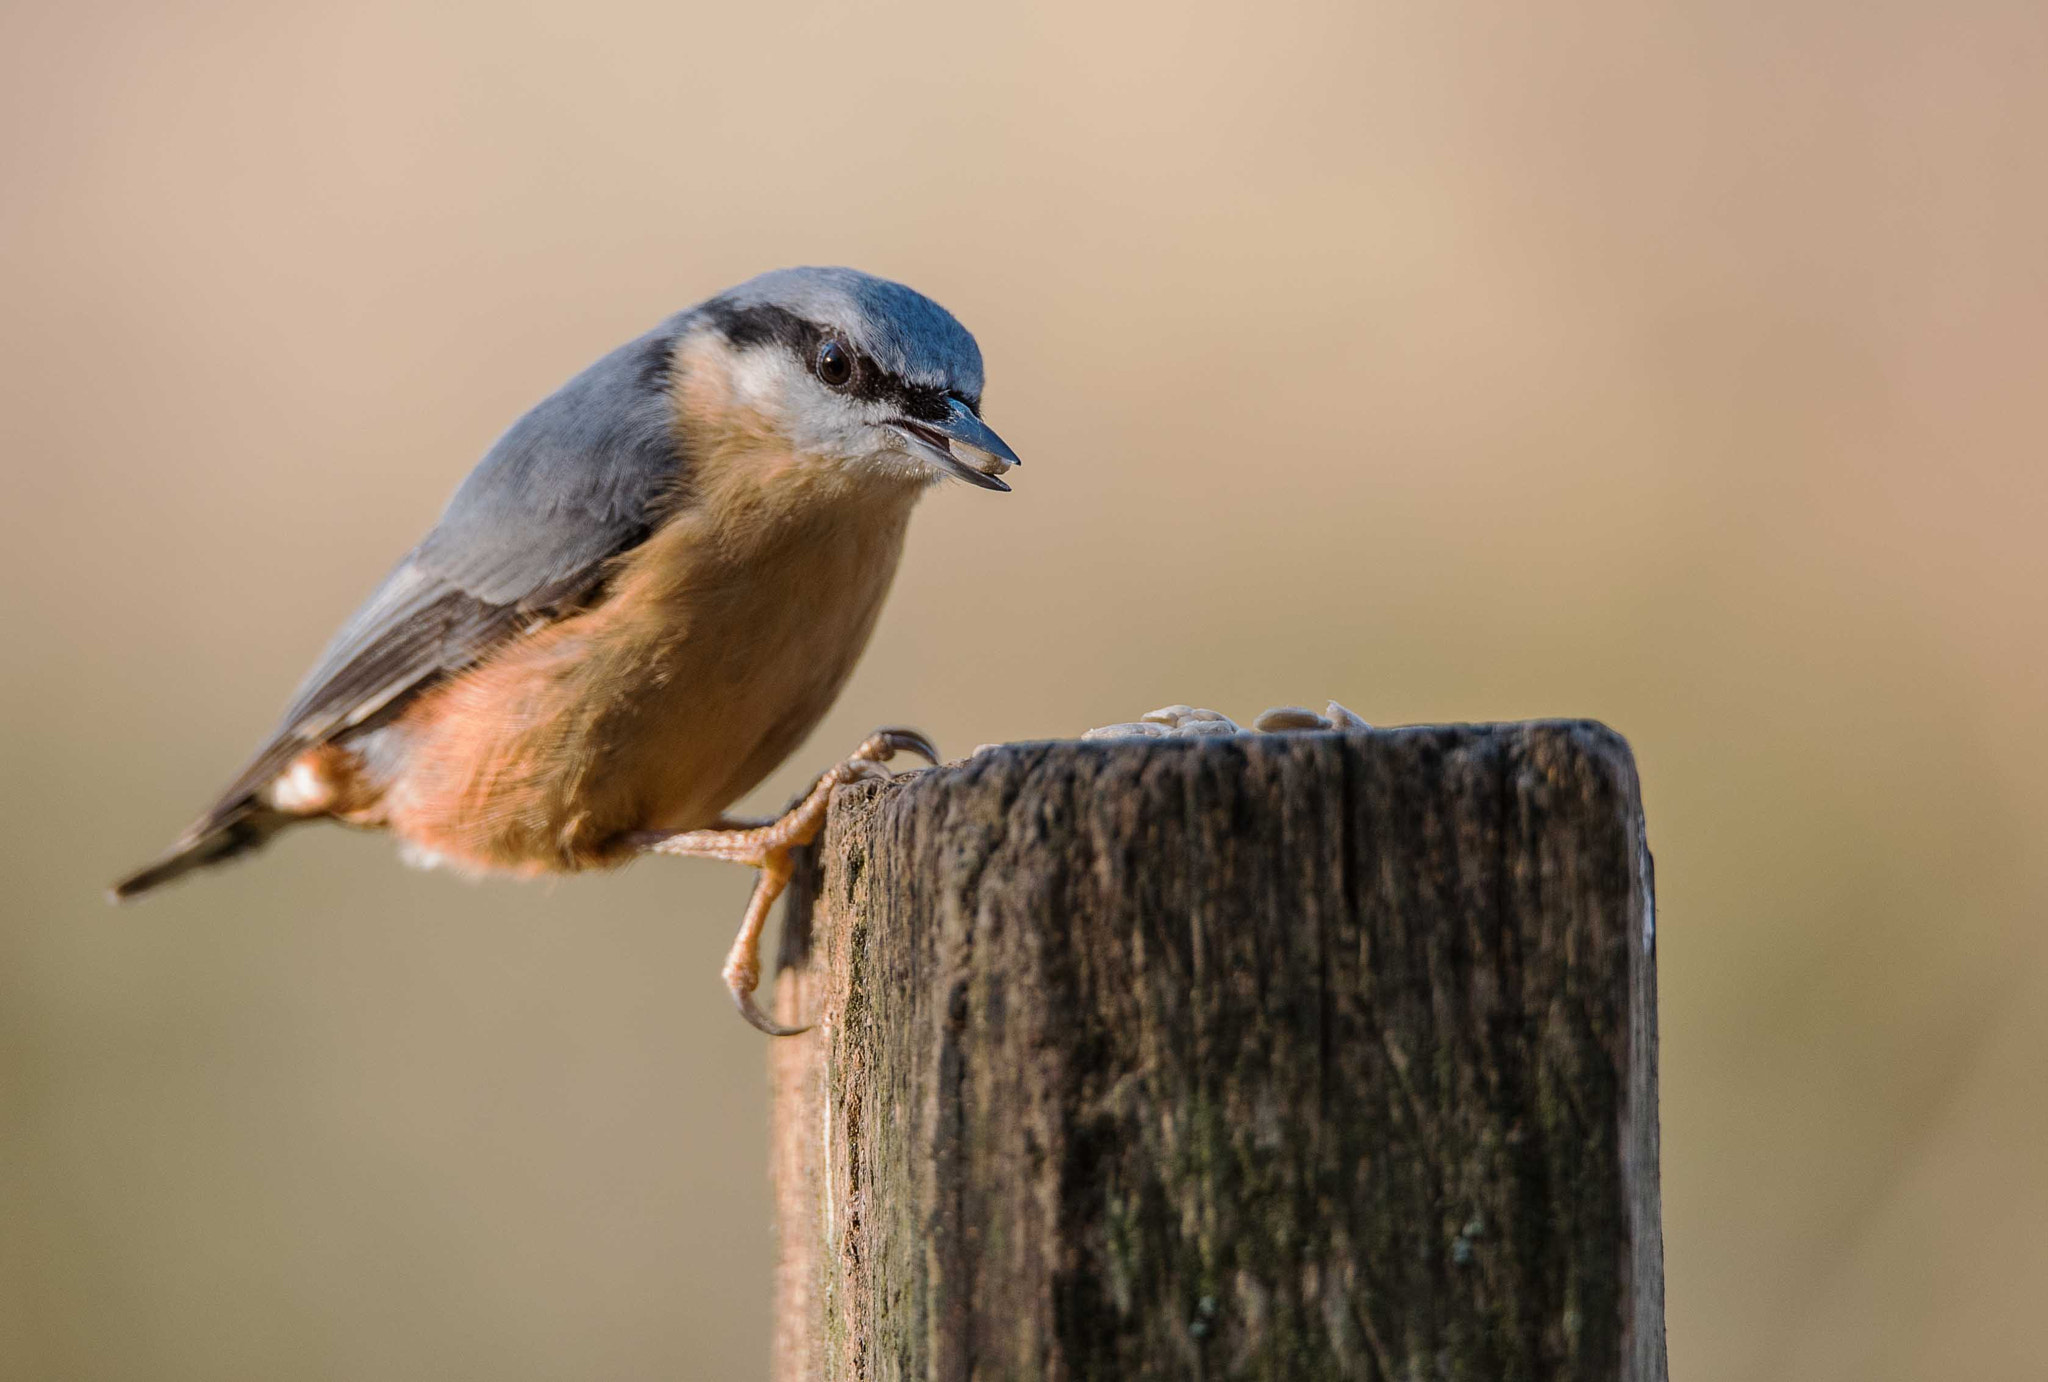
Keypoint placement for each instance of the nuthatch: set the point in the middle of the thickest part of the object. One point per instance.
(640, 601)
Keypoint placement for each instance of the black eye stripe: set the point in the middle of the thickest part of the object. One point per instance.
(924, 405)
(766, 324)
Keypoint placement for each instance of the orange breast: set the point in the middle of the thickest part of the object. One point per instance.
(723, 640)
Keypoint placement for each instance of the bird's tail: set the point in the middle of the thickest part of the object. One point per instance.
(244, 827)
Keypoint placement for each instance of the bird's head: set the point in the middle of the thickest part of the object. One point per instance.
(859, 372)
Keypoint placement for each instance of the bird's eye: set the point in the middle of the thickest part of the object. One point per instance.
(835, 365)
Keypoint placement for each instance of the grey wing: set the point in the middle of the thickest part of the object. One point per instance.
(529, 535)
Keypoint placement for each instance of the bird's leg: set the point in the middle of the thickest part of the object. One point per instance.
(766, 846)
(725, 822)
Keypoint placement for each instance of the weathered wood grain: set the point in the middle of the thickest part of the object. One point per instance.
(1289, 1056)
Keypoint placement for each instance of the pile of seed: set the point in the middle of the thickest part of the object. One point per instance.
(1187, 722)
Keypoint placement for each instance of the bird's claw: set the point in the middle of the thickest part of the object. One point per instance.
(742, 987)
(891, 740)
(767, 847)
(742, 972)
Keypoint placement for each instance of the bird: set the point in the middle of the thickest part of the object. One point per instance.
(639, 602)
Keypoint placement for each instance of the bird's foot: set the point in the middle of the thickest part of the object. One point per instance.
(767, 847)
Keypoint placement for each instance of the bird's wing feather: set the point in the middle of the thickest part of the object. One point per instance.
(528, 537)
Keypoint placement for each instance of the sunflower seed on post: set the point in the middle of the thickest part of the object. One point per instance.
(1133, 730)
(1285, 717)
(1341, 718)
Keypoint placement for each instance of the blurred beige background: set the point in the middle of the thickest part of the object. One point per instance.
(1677, 365)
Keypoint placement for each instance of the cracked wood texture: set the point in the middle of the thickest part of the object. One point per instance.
(1287, 1056)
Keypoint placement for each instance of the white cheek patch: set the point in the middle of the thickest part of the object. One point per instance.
(774, 385)
(764, 378)
(819, 422)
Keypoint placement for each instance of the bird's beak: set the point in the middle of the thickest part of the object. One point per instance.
(962, 445)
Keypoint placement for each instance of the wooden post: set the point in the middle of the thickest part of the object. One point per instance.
(1287, 1056)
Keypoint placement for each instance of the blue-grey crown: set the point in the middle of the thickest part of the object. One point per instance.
(899, 329)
